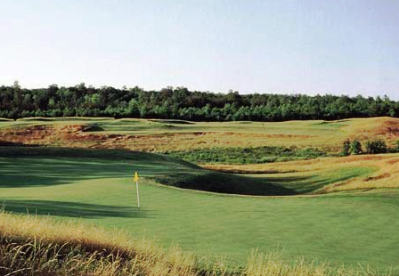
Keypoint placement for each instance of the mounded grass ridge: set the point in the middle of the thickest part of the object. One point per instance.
(172, 172)
(164, 169)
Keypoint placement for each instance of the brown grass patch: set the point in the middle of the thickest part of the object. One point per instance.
(378, 177)
(76, 136)
(383, 127)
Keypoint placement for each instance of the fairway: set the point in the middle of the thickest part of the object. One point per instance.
(342, 228)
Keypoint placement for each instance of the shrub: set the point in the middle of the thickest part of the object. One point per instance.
(356, 147)
(376, 146)
(394, 148)
(248, 155)
(346, 147)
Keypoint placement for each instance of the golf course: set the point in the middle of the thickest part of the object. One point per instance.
(343, 211)
(199, 138)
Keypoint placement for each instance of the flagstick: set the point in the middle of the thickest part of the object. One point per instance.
(138, 197)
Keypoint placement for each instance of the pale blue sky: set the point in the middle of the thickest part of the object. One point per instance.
(303, 46)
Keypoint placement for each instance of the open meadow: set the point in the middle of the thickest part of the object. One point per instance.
(339, 210)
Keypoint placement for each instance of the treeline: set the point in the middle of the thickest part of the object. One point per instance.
(376, 146)
(180, 103)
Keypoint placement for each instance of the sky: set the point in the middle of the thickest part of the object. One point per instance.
(272, 46)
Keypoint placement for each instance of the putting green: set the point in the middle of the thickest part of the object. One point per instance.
(98, 187)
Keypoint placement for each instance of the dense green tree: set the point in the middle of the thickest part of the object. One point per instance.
(180, 103)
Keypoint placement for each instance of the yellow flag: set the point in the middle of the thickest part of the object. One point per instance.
(136, 176)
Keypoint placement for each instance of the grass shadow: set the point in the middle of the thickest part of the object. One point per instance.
(72, 209)
(14, 144)
(217, 182)
(35, 167)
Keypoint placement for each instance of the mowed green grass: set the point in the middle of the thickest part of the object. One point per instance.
(97, 186)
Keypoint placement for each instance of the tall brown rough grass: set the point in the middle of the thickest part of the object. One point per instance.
(42, 246)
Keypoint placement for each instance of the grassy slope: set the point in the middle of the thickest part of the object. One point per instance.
(384, 166)
(35, 245)
(161, 136)
(42, 246)
(338, 228)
